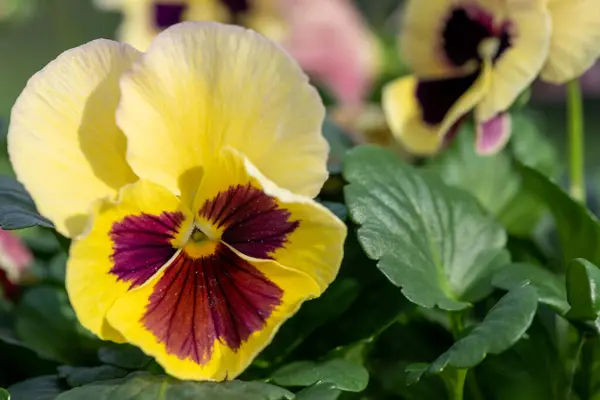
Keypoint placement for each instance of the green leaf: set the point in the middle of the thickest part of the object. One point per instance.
(123, 356)
(506, 323)
(17, 209)
(150, 387)
(342, 374)
(320, 391)
(550, 287)
(313, 314)
(79, 376)
(578, 228)
(433, 240)
(45, 387)
(46, 309)
(4, 395)
(583, 280)
(493, 179)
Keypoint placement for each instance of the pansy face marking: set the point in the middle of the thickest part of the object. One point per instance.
(207, 291)
(168, 14)
(467, 28)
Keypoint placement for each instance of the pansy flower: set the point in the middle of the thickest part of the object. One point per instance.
(144, 19)
(186, 178)
(466, 55)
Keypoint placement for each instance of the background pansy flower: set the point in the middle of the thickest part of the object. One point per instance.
(466, 55)
(144, 19)
(329, 39)
(185, 176)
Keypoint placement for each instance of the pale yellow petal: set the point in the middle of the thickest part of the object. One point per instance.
(521, 63)
(203, 86)
(575, 42)
(63, 141)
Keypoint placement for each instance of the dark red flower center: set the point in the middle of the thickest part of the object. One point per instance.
(466, 28)
(168, 14)
(209, 292)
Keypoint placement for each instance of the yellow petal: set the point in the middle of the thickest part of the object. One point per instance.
(128, 242)
(192, 310)
(63, 141)
(520, 64)
(575, 42)
(405, 114)
(203, 86)
(241, 207)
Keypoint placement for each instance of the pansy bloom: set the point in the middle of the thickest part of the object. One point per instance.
(185, 177)
(466, 55)
(144, 19)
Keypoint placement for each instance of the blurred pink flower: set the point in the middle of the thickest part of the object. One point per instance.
(333, 44)
(15, 257)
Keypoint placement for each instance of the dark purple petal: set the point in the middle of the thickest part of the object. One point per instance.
(142, 245)
(198, 301)
(254, 223)
(436, 97)
(466, 28)
(167, 14)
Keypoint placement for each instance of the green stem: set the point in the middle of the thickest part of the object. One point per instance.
(457, 324)
(459, 386)
(576, 141)
(580, 344)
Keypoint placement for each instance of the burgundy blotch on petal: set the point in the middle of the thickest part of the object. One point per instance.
(168, 14)
(254, 222)
(142, 245)
(436, 97)
(465, 29)
(200, 300)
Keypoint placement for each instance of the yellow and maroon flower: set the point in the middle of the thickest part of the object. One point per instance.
(466, 55)
(144, 19)
(186, 178)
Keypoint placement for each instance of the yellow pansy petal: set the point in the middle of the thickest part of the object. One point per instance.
(421, 113)
(520, 64)
(239, 206)
(203, 86)
(202, 324)
(575, 41)
(128, 242)
(63, 141)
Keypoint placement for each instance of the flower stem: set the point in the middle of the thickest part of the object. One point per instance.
(457, 325)
(576, 141)
(459, 387)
